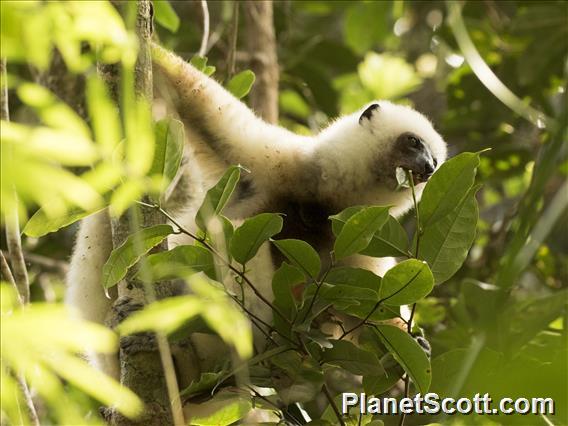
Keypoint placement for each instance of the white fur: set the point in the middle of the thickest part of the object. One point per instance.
(334, 166)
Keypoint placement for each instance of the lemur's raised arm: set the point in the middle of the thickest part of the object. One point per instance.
(222, 128)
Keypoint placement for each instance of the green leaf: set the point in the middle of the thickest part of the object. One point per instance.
(300, 254)
(355, 277)
(408, 354)
(390, 240)
(256, 230)
(225, 408)
(104, 114)
(200, 62)
(165, 15)
(283, 282)
(378, 384)
(344, 295)
(445, 243)
(357, 232)
(209, 300)
(241, 83)
(218, 196)
(180, 262)
(447, 187)
(135, 246)
(338, 220)
(365, 25)
(358, 361)
(406, 283)
(40, 224)
(168, 150)
(207, 381)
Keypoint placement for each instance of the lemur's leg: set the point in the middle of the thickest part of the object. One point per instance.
(84, 288)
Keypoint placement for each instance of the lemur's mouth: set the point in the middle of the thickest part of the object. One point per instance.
(402, 176)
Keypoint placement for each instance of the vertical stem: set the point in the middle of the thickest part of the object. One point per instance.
(409, 323)
(205, 36)
(19, 277)
(233, 40)
(261, 41)
(13, 239)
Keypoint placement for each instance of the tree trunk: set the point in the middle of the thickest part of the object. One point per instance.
(141, 364)
(261, 43)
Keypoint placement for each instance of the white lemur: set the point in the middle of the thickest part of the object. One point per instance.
(309, 178)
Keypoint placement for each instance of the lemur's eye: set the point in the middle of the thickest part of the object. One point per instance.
(413, 141)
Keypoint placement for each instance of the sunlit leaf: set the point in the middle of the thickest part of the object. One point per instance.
(165, 15)
(104, 115)
(40, 224)
(179, 262)
(125, 195)
(52, 111)
(225, 408)
(168, 151)
(408, 353)
(241, 84)
(406, 283)
(209, 301)
(387, 76)
(135, 246)
(255, 231)
(218, 196)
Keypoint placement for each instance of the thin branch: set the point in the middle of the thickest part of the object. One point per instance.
(13, 240)
(220, 257)
(233, 40)
(7, 275)
(416, 212)
(205, 36)
(333, 405)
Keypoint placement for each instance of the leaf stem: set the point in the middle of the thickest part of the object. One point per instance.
(416, 212)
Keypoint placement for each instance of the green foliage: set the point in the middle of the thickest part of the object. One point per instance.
(358, 230)
(217, 197)
(241, 83)
(41, 342)
(254, 232)
(495, 323)
(169, 137)
(406, 283)
(210, 302)
(408, 354)
(129, 252)
(165, 15)
(301, 255)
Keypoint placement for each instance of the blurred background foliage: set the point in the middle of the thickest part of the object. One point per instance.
(507, 305)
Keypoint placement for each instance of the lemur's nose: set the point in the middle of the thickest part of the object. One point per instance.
(428, 168)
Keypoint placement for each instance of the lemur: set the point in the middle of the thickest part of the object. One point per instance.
(353, 161)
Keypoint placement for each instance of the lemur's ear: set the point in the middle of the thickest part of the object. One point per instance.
(368, 113)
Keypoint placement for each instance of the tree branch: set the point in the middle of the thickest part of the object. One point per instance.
(261, 42)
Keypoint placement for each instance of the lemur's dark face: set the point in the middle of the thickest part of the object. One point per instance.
(411, 153)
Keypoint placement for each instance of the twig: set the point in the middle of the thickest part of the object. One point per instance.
(233, 40)
(46, 261)
(13, 240)
(417, 213)
(219, 256)
(333, 405)
(319, 285)
(205, 36)
(7, 275)
(363, 321)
